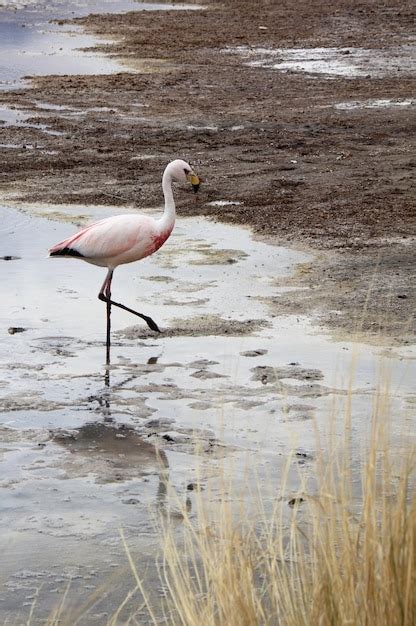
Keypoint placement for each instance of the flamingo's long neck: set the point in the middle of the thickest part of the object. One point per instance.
(168, 219)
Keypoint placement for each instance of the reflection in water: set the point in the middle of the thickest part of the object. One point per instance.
(104, 399)
(106, 405)
(112, 454)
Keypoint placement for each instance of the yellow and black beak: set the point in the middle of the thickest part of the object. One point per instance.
(194, 180)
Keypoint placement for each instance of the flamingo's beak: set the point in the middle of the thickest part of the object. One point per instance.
(194, 180)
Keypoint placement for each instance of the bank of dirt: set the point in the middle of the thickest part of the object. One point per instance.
(297, 169)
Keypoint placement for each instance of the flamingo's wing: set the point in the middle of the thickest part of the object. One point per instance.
(105, 239)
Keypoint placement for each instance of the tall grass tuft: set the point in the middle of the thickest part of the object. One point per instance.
(343, 555)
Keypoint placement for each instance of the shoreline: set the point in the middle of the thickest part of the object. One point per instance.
(274, 152)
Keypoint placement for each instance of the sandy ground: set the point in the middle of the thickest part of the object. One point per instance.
(300, 165)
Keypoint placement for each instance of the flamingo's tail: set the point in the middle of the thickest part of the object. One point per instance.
(65, 252)
(67, 247)
(62, 249)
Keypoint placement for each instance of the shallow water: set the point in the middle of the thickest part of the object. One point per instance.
(32, 45)
(79, 454)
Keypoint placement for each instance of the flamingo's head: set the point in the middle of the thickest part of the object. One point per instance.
(183, 172)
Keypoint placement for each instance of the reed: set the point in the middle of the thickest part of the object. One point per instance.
(343, 554)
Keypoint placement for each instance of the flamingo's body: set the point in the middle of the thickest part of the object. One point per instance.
(116, 240)
(126, 238)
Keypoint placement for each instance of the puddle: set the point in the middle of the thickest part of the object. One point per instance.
(33, 46)
(224, 203)
(203, 128)
(333, 62)
(373, 104)
(10, 116)
(84, 454)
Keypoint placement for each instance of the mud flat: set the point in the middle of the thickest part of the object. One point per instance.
(265, 330)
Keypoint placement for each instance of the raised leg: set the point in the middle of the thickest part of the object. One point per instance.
(105, 296)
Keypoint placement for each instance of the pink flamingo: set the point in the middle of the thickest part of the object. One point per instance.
(126, 238)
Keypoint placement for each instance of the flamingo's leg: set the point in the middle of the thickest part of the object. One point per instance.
(105, 296)
(108, 294)
(105, 292)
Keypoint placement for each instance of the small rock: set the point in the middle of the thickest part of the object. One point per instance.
(194, 487)
(302, 457)
(402, 296)
(131, 501)
(297, 500)
(16, 329)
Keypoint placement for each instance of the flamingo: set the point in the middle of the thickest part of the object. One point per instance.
(126, 238)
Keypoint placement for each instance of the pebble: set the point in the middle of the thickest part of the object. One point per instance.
(297, 500)
(194, 487)
(16, 329)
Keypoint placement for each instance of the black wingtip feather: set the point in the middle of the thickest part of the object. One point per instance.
(66, 252)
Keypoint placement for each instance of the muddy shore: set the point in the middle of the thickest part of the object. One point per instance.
(306, 159)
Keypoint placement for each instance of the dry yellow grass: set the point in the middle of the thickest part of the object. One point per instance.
(344, 556)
